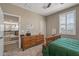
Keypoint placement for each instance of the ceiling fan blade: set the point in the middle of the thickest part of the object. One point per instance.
(49, 5)
(61, 3)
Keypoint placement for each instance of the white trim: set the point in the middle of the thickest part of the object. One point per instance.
(5, 13)
(19, 32)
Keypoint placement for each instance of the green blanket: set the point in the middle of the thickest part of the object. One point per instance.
(62, 47)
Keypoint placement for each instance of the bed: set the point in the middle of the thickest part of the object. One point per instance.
(62, 47)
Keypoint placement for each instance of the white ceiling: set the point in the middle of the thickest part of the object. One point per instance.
(38, 7)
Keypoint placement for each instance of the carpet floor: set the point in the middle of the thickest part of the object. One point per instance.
(33, 51)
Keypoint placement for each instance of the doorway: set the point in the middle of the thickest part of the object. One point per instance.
(11, 32)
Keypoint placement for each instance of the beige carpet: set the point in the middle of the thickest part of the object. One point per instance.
(33, 51)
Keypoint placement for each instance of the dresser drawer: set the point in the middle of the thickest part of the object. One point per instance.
(30, 41)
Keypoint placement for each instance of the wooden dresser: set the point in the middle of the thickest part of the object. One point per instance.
(29, 41)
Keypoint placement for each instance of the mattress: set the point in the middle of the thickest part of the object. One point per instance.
(62, 47)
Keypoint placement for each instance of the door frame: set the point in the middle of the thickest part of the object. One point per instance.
(19, 18)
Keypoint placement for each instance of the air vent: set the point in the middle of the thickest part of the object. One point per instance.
(27, 5)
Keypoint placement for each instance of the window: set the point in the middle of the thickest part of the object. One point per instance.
(67, 23)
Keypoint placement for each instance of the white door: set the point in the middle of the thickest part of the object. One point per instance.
(1, 33)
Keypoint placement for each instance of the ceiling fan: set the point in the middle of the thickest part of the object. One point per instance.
(47, 5)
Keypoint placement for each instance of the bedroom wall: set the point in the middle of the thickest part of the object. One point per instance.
(52, 22)
(27, 17)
